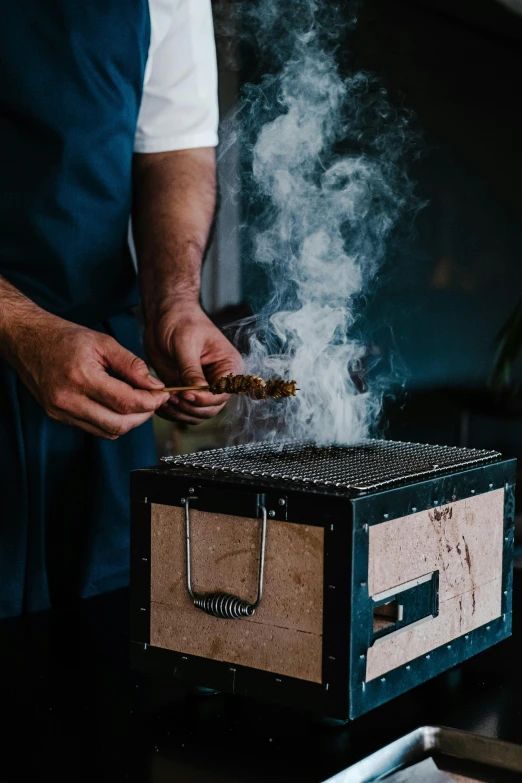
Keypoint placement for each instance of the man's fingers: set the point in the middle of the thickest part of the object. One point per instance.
(183, 411)
(83, 425)
(204, 399)
(128, 366)
(217, 371)
(197, 412)
(189, 362)
(171, 413)
(111, 424)
(121, 398)
(116, 425)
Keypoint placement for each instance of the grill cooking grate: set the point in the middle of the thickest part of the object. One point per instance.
(370, 465)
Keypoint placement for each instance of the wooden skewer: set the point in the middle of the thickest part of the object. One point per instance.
(184, 388)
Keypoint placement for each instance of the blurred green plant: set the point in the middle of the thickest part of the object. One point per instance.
(509, 347)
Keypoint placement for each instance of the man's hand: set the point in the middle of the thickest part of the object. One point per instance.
(185, 348)
(66, 367)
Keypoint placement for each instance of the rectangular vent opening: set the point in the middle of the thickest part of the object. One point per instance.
(386, 616)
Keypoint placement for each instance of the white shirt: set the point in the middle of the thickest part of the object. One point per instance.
(179, 108)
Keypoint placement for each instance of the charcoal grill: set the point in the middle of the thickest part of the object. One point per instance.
(331, 578)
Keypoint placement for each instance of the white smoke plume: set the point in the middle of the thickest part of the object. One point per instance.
(327, 186)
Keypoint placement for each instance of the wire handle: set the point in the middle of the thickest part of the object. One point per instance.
(225, 606)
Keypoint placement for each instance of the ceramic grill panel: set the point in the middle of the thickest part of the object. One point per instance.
(367, 466)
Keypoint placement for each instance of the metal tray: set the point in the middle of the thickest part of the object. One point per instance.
(482, 753)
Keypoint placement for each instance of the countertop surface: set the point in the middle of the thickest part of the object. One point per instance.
(72, 710)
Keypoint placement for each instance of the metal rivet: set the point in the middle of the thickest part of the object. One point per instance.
(505, 592)
(466, 636)
(408, 668)
(231, 669)
(282, 501)
(142, 609)
(183, 500)
(472, 491)
(383, 679)
(191, 490)
(331, 658)
(184, 658)
(278, 679)
(491, 486)
(414, 509)
(363, 584)
(488, 627)
(435, 502)
(507, 486)
(366, 527)
(326, 686)
(146, 500)
(331, 528)
(331, 587)
(271, 513)
(145, 559)
(385, 516)
(449, 646)
(506, 538)
(362, 657)
(363, 686)
(428, 657)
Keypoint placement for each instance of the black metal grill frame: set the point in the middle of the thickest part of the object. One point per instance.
(367, 466)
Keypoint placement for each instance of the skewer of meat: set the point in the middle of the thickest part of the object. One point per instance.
(249, 385)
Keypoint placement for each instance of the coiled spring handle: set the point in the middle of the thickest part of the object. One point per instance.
(224, 605)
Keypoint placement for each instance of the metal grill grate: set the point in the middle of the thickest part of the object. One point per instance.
(370, 465)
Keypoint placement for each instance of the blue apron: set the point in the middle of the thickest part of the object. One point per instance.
(70, 90)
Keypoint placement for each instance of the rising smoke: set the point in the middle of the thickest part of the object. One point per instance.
(326, 187)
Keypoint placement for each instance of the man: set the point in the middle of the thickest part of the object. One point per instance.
(106, 107)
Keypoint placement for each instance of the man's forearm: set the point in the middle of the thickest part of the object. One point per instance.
(16, 310)
(174, 202)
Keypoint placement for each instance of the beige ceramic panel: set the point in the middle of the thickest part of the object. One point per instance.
(464, 543)
(284, 635)
(269, 648)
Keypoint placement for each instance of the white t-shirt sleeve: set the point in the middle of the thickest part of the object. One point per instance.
(179, 108)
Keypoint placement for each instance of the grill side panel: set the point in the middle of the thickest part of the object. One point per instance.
(462, 542)
(285, 635)
(319, 516)
(373, 679)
